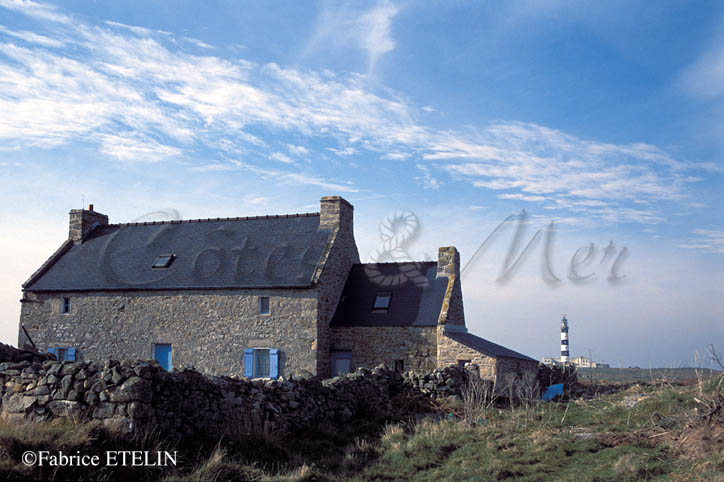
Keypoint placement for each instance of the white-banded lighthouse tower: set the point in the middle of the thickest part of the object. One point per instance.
(564, 340)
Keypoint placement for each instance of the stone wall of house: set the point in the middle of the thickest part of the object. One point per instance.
(338, 215)
(129, 395)
(450, 352)
(207, 329)
(518, 372)
(372, 345)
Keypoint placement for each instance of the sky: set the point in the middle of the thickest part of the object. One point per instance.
(571, 151)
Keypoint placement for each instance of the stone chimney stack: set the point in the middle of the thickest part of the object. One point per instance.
(82, 222)
(336, 211)
(448, 262)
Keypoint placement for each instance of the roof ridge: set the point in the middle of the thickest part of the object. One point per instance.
(207, 220)
(395, 262)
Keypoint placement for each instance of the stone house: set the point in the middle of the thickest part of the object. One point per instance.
(261, 296)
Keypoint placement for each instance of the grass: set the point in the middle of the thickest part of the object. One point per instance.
(643, 432)
(643, 374)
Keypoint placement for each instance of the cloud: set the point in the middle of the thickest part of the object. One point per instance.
(281, 157)
(709, 240)
(347, 151)
(198, 43)
(137, 96)
(369, 31)
(38, 10)
(297, 150)
(547, 165)
(131, 148)
(427, 179)
(522, 197)
(705, 77)
(32, 38)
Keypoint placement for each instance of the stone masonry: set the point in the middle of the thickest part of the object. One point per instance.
(131, 395)
(372, 345)
(336, 214)
(208, 330)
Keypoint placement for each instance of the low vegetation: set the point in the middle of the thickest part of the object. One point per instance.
(657, 430)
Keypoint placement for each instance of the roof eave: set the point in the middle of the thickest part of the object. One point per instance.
(170, 288)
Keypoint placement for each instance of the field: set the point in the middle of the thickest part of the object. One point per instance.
(642, 374)
(649, 431)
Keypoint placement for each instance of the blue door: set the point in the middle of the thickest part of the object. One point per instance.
(162, 354)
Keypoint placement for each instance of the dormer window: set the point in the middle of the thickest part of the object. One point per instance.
(163, 261)
(382, 302)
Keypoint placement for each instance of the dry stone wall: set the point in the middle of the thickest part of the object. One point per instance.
(129, 395)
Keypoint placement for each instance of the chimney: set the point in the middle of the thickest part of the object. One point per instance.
(448, 262)
(82, 222)
(335, 211)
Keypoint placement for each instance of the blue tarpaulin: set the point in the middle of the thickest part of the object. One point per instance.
(552, 392)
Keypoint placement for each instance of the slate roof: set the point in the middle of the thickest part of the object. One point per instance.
(254, 252)
(485, 346)
(416, 295)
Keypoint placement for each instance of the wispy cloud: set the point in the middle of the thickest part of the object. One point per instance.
(705, 77)
(38, 10)
(543, 164)
(281, 157)
(198, 43)
(346, 26)
(132, 148)
(138, 95)
(297, 150)
(32, 38)
(709, 240)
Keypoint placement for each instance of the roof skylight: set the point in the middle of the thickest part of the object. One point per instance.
(163, 261)
(382, 301)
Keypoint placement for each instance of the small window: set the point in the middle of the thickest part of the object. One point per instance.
(263, 305)
(462, 363)
(164, 261)
(382, 301)
(65, 307)
(341, 362)
(163, 354)
(399, 366)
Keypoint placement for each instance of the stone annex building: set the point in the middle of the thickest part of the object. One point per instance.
(262, 296)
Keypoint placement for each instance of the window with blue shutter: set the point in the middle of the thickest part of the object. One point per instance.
(273, 363)
(261, 363)
(249, 362)
(63, 353)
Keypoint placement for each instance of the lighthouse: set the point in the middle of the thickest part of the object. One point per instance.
(564, 340)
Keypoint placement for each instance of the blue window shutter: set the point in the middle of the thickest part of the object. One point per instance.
(71, 354)
(273, 363)
(51, 350)
(249, 362)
